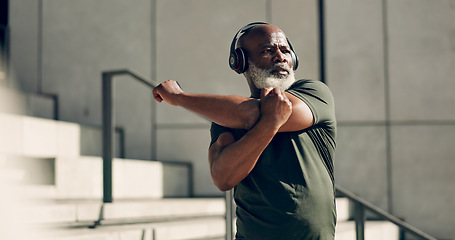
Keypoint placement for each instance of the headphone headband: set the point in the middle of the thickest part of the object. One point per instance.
(237, 57)
(243, 30)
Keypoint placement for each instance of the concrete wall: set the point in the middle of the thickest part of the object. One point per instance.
(390, 65)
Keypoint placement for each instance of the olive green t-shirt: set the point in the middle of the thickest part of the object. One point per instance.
(290, 192)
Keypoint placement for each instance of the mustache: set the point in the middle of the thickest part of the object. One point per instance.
(281, 65)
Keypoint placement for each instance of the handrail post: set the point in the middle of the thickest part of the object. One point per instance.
(4, 51)
(229, 215)
(402, 234)
(108, 126)
(359, 217)
(108, 131)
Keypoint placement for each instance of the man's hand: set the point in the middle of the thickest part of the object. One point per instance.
(275, 107)
(167, 91)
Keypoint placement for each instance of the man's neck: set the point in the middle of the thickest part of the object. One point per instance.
(255, 93)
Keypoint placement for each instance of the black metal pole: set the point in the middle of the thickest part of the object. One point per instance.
(229, 214)
(359, 217)
(402, 234)
(108, 132)
(321, 18)
(4, 39)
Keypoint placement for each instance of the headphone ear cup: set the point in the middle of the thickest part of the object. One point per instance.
(233, 60)
(237, 61)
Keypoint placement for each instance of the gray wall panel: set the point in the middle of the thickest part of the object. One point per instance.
(24, 44)
(422, 59)
(83, 38)
(422, 174)
(360, 162)
(355, 69)
(299, 20)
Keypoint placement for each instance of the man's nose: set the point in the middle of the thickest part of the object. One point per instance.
(280, 56)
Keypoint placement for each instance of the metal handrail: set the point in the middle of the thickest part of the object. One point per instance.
(359, 216)
(108, 125)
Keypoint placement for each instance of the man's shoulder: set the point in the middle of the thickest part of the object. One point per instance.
(318, 97)
(307, 83)
(314, 88)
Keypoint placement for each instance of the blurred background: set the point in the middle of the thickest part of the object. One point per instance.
(389, 63)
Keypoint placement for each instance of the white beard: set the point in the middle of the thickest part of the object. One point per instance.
(263, 78)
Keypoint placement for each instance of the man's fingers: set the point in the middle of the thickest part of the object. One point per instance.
(167, 91)
(156, 95)
(276, 91)
(265, 91)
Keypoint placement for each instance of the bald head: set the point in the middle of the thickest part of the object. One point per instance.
(262, 31)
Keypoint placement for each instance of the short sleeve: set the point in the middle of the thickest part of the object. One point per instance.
(318, 98)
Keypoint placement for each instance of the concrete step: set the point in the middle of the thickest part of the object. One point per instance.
(203, 228)
(85, 213)
(196, 228)
(38, 137)
(343, 212)
(47, 154)
(374, 230)
(81, 177)
(72, 216)
(123, 211)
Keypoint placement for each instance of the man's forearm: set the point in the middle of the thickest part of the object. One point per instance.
(231, 162)
(227, 110)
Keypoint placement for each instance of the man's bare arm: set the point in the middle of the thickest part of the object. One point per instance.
(226, 110)
(301, 117)
(230, 110)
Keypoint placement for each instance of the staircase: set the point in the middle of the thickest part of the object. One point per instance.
(53, 190)
(58, 192)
